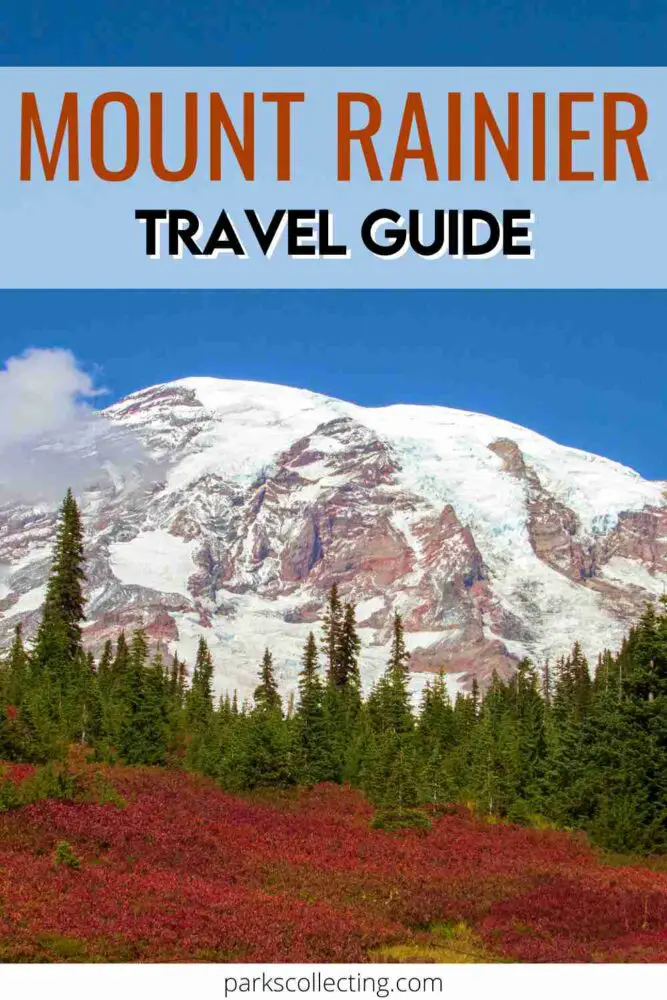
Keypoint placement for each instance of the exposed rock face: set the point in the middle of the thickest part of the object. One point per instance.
(552, 527)
(493, 542)
(640, 536)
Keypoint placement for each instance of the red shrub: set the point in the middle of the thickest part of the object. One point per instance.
(16, 772)
(186, 872)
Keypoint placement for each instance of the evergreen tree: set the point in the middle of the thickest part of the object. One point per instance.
(547, 684)
(346, 674)
(121, 661)
(59, 635)
(16, 669)
(18, 740)
(266, 693)
(311, 737)
(342, 695)
(436, 717)
(389, 703)
(151, 720)
(130, 693)
(436, 741)
(199, 711)
(200, 696)
(494, 765)
(80, 701)
(398, 656)
(389, 770)
(566, 787)
(53, 679)
(104, 671)
(260, 751)
(332, 624)
(527, 709)
(112, 676)
(474, 697)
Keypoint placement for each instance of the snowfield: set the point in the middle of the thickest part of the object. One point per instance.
(154, 559)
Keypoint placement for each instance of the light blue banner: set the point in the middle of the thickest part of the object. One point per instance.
(84, 234)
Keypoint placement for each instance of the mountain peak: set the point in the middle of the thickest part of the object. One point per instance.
(493, 541)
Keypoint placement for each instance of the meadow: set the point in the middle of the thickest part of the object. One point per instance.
(147, 864)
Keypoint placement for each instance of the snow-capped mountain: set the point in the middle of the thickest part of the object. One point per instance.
(492, 541)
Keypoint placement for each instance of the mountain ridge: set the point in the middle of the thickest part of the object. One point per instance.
(492, 540)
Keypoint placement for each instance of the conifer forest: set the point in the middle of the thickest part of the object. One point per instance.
(564, 760)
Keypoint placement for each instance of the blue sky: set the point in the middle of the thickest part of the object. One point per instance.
(585, 368)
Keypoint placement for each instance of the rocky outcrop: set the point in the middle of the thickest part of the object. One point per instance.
(553, 528)
(639, 536)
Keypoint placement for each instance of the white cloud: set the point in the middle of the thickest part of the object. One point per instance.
(42, 391)
(51, 437)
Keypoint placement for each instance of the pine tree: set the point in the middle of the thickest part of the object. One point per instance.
(59, 635)
(547, 684)
(621, 772)
(130, 693)
(310, 687)
(311, 736)
(81, 710)
(466, 717)
(151, 719)
(474, 697)
(398, 656)
(390, 750)
(104, 670)
(200, 695)
(199, 712)
(176, 708)
(389, 703)
(436, 716)
(121, 660)
(527, 709)
(436, 741)
(259, 748)
(52, 705)
(346, 674)
(572, 695)
(566, 785)
(495, 773)
(174, 671)
(266, 693)
(17, 669)
(17, 737)
(401, 793)
(332, 624)
(342, 696)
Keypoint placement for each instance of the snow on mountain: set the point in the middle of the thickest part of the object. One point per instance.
(154, 559)
(493, 541)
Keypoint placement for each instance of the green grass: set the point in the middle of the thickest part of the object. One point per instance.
(453, 943)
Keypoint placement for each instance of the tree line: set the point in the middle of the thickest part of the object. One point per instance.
(564, 745)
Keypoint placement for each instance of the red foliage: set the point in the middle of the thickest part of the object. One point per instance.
(185, 872)
(16, 772)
